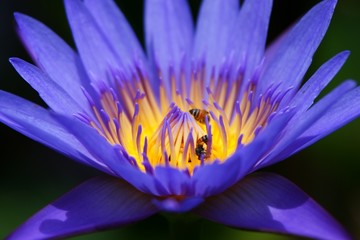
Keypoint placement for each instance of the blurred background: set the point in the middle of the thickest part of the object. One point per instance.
(32, 175)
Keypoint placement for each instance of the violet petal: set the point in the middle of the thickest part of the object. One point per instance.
(177, 206)
(55, 96)
(37, 123)
(116, 29)
(268, 202)
(293, 57)
(213, 179)
(342, 112)
(110, 155)
(249, 38)
(99, 203)
(169, 35)
(53, 56)
(297, 127)
(319, 80)
(95, 51)
(213, 30)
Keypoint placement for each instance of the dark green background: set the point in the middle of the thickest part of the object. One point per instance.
(32, 175)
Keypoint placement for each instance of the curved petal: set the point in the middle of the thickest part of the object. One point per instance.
(116, 29)
(249, 38)
(99, 203)
(173, 181)
(341, 113)
(213, 30)
(296, 127)
(53, 56)
(54, 96)
(292, 59)
(177, 205)
(168, 34)
(37, 123)
(268, 202)
(273, 46)
(111, 156)
(311, 89)
(213, 179)
(216, 177)
(95, 51)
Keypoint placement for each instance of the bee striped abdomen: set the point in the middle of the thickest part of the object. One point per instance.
(200, 150)
(200, 115)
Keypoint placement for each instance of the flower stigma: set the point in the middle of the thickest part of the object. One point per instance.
(193, 121)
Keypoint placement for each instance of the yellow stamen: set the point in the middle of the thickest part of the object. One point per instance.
(161, 131)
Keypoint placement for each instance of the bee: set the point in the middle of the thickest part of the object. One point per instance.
(202, 140)
(200, 115)
(199, 150)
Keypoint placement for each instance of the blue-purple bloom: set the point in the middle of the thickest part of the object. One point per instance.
(184, 126)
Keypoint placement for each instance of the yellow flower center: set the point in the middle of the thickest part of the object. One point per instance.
(185, 126)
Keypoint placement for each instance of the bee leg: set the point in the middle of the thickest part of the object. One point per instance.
(200, 152)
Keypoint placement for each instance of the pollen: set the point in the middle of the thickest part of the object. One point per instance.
(185, 123)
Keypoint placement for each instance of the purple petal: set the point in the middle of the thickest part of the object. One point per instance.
(53, 56)
(213, 179)
(174, 181)
(116, 29)
(249, 38)
(176, 205)
(293, 57)
(111, 156)
(169, 34)
(306, 96)
(268, 202)
(54, 96)
(298, 126)
(213, 30)
(95, 51)
(216, 177)
(273, 47)
(37, 123)
(311, 89)
(99, 203)
(341, 113)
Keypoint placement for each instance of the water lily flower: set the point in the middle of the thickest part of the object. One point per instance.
(184, 126)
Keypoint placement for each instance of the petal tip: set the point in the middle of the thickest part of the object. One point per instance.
(346, 53)
(18, 15)
(15, 61)
(22, 19)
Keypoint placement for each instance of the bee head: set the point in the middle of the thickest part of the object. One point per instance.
(192, 111)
